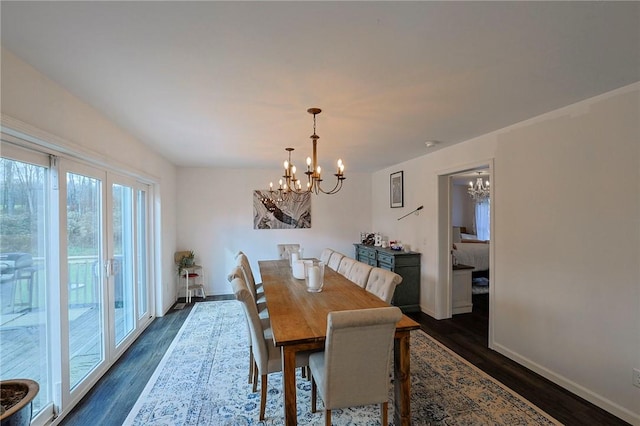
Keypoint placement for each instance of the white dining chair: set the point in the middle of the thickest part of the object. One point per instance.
(285, 249)
(266, 354)
(334, 260)
(345, 266)
(242, 261)
(353, 369)
(383, 283)
(359, 273)
(325, 255)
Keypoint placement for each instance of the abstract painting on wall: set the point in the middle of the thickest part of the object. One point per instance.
(292, 211)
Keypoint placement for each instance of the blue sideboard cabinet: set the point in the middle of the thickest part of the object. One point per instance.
(405, 264)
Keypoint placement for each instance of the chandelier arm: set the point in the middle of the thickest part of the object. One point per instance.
(335, 189)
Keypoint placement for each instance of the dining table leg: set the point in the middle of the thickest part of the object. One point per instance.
(289, 385)
(402, 378)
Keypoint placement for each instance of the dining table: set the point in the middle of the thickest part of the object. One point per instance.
(299, 323)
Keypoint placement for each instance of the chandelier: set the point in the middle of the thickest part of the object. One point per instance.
(290, 185)
(480, 191)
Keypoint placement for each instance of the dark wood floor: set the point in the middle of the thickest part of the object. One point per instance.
(110, 401)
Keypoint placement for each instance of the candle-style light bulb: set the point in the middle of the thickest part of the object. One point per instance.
(293, 170)
(270, 185)
(308, 162)
(280, 183)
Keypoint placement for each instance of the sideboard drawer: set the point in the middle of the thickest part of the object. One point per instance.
(386, 259)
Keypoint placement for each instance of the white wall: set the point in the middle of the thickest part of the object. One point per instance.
(462, 208)
(565, 280)
(31, 98)
(215, 219)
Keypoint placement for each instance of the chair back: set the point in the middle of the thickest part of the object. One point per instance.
(285, 249)
(326, 254)
(383, 283)
(359, 273)
(242, 261)
(345, 266)
(357, 356)
(334, 260)
(256, 331)
(236, 272)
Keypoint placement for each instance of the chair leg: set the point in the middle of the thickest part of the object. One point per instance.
(383, 411)
(255, 377)
(327, 417)
(314, 394)
(251, 364)
(263, 395)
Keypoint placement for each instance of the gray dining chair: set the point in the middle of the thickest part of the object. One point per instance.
(334, 260)
(266, 355)
(359, 273)
(341, 374)
(345, 266)
(383, 283)
(325, 255)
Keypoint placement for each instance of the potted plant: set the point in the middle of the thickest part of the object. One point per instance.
(186, 261)
(16, 401)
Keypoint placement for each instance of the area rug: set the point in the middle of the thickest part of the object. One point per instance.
(202, 380)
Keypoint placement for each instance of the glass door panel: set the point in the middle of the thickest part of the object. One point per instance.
(142, 257)
(24, 330)
(84, 276)
(122, 261)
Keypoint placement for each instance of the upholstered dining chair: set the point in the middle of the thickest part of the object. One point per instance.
(345, 266)
(339, 372)
(237, 272)
(266, 354)
(359, 273)
(334, 260)
(325, 255)
(285, 249)
(242, 261)
(383, 283)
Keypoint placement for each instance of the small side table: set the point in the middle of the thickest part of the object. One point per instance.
(461, 299)
(193, 281)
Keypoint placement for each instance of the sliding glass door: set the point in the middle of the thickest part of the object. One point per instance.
(75, 272)
(85, 320)
(25, 324)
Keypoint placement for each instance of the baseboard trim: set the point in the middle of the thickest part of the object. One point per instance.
(594, 398)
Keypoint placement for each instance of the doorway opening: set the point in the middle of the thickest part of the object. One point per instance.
(465, 229)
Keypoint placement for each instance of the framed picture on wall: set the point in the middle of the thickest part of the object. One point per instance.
(396, 188)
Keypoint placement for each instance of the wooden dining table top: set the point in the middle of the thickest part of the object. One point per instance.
(300, 317)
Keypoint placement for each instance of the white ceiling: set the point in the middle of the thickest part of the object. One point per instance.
(227, 84)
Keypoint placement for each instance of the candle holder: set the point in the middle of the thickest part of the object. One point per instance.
(314, 275)
(294, 255)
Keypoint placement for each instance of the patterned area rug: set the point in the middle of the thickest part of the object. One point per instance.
(202, 380)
